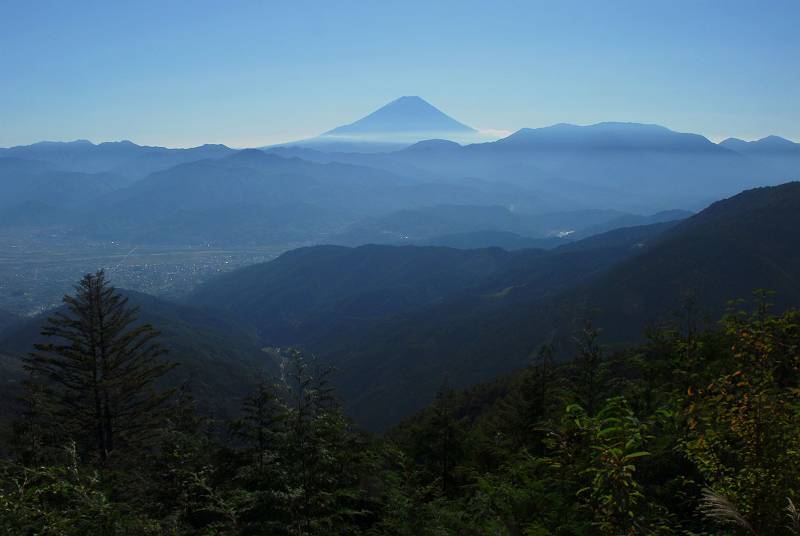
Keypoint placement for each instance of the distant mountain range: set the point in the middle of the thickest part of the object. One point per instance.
(411, 226)
(123, 158)
(608, 137)
(627, 166)
(305, 194)
(768, 145)
(773, 152)
(486, 239)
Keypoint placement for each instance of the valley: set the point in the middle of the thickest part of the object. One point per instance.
(39, 266)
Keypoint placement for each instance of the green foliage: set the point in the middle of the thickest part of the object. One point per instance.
(672, 416)
(63, 499)
(745, 423)
(693, 432)
(299, 464)
(616, 438)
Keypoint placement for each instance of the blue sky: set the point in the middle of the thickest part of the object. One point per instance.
(246, 73)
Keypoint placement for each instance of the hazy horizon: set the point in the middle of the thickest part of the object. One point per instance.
(249, 74)
(486, 134)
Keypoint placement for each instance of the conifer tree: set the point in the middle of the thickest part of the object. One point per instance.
(96, 374)
(321, 449)
(588, 369)
(447, 440)
(521, 414)
(302, 463)
(263, 417)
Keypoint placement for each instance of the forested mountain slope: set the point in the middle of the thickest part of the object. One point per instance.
(473, 329)
(395, 317)
(310, 293)
(737, 245)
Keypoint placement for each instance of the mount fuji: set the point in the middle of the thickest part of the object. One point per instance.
(406, 115)
(398, 124)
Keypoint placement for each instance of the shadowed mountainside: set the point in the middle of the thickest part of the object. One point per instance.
(478, 328)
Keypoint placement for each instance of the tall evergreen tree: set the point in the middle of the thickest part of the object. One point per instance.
(588, 378)
(521, 414)
(446, 442)
(321, 449)
(96, 374)
(264, 415)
